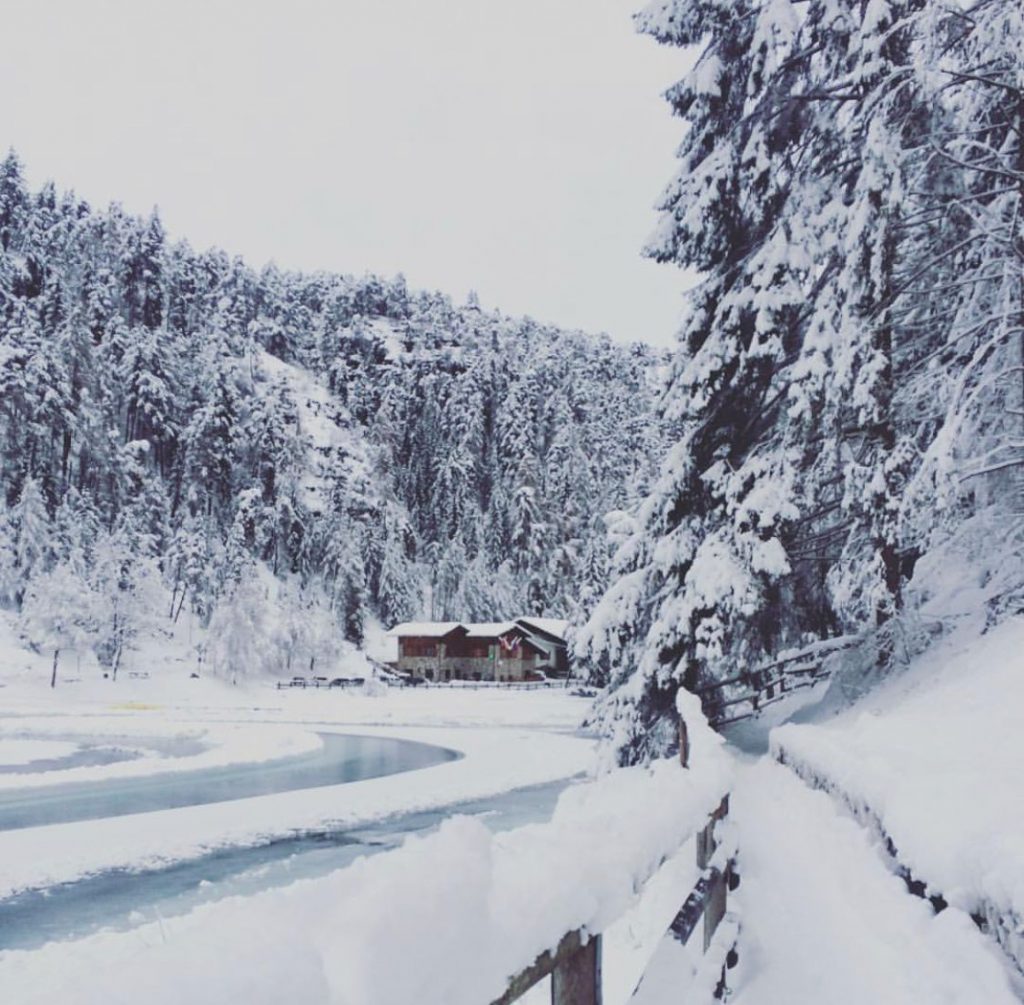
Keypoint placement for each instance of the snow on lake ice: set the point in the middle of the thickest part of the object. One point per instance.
(18, 752)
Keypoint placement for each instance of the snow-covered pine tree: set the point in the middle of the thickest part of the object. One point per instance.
(962, 292)
(132, 384)
(60, 611)
(848, 546)
(240, 639)
(787, 203)
(9, 579)
(13, 201)
(148, 375)
(190, 568)
(32, 542)
(708, 551)
(125, 580)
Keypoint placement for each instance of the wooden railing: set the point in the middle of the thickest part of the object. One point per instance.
(574, 965)
(458, 685)
(498, 685)
(770, 682)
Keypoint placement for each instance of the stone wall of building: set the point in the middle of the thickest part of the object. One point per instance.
(512, 666)
(422, 666)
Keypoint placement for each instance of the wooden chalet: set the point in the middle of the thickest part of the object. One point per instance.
(499, 651)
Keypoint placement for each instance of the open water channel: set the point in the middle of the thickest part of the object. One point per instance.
(123, 899)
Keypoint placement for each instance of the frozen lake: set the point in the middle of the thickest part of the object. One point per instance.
(122, 900)
(343, 758)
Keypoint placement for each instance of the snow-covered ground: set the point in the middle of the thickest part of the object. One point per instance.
(327, 429)
(461, 909)
(825, 921)
(158, 721)
(168, 692)
(935, 757)
(932, 758)
(21, 752)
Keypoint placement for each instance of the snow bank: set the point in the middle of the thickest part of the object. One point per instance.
(220, 745)
(518, 892)
(447, 918)
(935, 758)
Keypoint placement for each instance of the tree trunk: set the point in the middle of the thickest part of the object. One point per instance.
(181, 604)
(1018, 240)
(117, 661)
(53, 676)
(65, 457)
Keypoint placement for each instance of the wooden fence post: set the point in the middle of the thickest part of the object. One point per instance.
(576, 980)
(684, 743)
(574, 966)
(715, 904)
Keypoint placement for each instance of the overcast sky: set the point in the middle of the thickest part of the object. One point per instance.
(513, 147)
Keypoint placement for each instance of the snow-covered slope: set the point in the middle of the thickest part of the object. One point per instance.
(933, 758)
(331, 440)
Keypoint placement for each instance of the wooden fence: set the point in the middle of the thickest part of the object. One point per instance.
(507, 685)
(574, 965)
(482, 685)
(770, 682)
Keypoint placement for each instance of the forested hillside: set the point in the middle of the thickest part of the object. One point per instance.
(846, 401)
(268, 448)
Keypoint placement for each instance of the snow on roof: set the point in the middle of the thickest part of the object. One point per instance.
(432, 629)
(553, 626)
(488, 629)
(479, 629)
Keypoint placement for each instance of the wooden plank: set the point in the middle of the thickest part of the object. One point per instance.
(706, 843)
(714, 905)
(805, 669)
(740, 678)
(549, 962)
(718, 723)
(688, 916)
(750, 696)
(707, 901)
(575, 964)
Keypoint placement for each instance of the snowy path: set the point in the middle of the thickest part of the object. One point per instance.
(825, 921)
